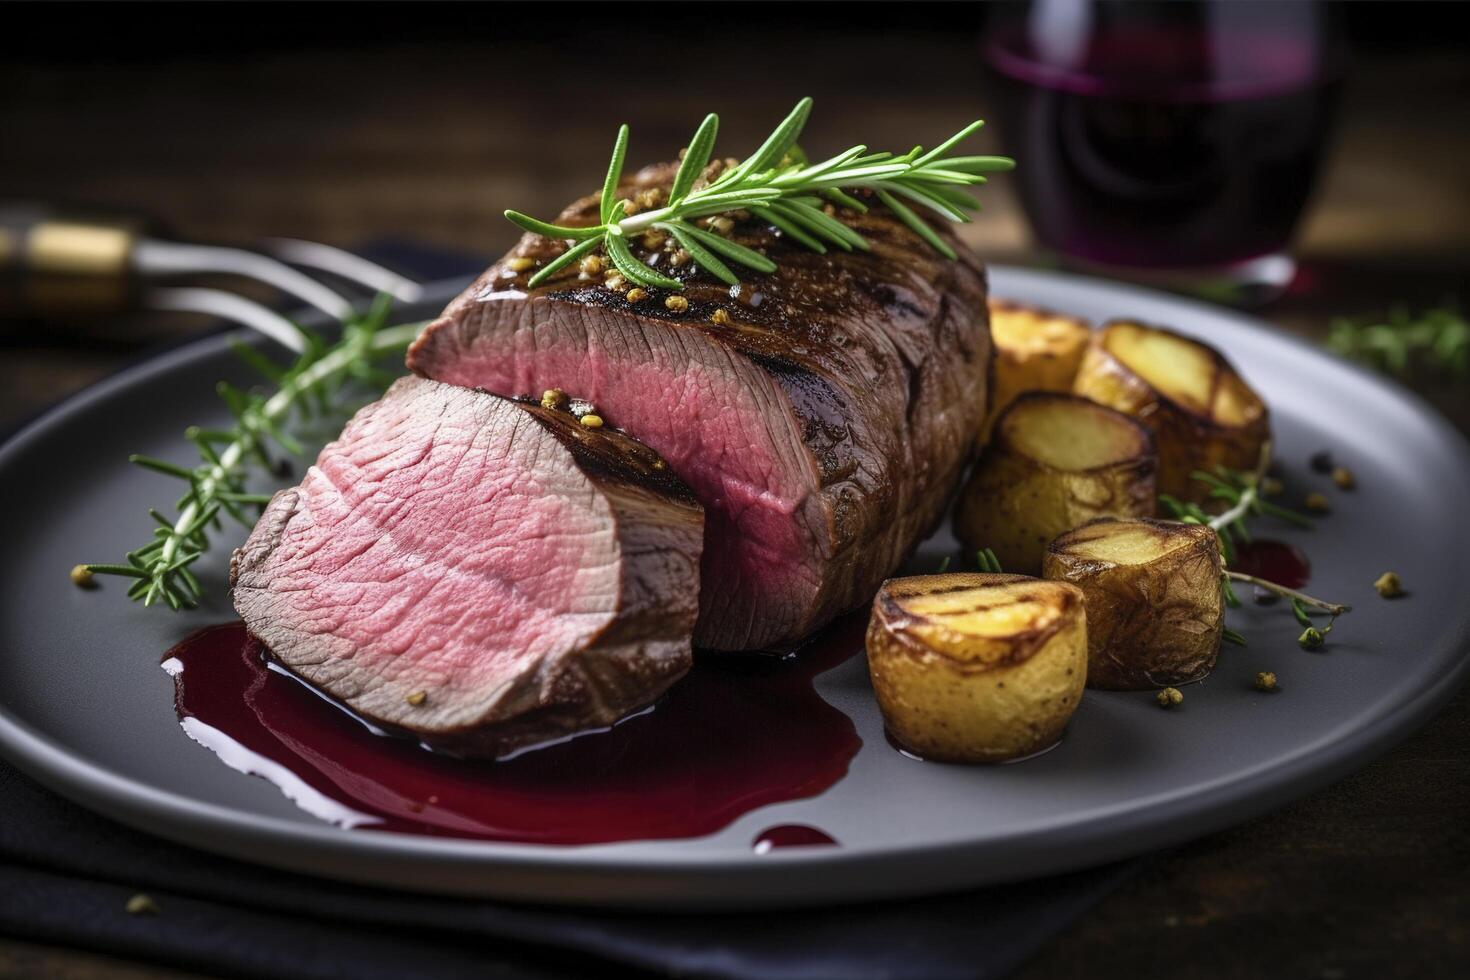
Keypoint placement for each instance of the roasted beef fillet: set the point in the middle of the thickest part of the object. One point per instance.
(481, 573)
(822, 414)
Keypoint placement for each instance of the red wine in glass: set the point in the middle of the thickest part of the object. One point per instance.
(1172, 142)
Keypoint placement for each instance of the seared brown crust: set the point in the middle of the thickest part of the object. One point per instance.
(1148, 625)
(882, 358)
(612, 456)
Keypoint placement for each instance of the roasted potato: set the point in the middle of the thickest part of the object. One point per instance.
(1155, 607)
(1200, 411)
(1054, 462)
(1035, 350)
(976, 667)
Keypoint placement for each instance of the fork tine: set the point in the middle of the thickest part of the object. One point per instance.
(348, 265)
(154, 257)
(230, 306)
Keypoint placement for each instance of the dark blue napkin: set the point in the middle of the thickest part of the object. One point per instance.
(66, 876)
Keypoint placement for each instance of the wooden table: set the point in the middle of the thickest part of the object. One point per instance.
(1367, 878)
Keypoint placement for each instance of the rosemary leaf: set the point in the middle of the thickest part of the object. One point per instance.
(695, 159)
(733, 251)
(702, 256)
(917, 225)
(614, 175)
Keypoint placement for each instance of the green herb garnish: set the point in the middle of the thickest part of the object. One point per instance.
(1242, 491)
(777, 184)
(217, 484)
(987, 561)
(1438, 339)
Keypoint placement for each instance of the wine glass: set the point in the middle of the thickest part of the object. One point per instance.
(1172, 142)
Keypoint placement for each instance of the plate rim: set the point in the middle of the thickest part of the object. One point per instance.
(633, 879)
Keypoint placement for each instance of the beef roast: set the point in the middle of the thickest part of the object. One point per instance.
(481, 573)
(822, 414)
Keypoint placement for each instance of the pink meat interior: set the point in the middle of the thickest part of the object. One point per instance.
(700, 409)
(434, 548)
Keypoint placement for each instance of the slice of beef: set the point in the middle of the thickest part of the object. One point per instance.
(822, 414)
(482, 573)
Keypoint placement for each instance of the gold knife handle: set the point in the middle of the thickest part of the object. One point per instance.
(52, 265)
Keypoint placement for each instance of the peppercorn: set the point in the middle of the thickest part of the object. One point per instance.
(82, 577)
(1389, 585)
(1344, 478)
(677, 304)
(553, 398)
(1318, 503)
(141, 904)
(1272, 487)
(679, 258)
(592, 266)
(416, 698)
(721, 225)
(653, 239)
(616, 283)
(1169, 697)
(637, 294)
(520, 263)
(720, 317)
(1265, 681)
(1322, 462)
(592, 421)
(1311, 638)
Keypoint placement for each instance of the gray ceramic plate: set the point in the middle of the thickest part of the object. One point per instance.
(85, 708)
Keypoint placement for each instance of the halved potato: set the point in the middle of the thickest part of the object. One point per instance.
(1155, 607)
(1201, 412)
(977, 667)
(1035, 350)
(1054, 462)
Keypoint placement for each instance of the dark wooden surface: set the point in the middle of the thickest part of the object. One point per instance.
(1365, 879)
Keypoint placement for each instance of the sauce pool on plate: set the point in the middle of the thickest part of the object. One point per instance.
(738, 733)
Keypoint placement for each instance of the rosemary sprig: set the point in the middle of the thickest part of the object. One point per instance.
(217, 484)
(1437, 339)
(780, 186)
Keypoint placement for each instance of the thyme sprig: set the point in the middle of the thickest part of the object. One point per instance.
(217, 484)
(1437, 339)
(1242, 492)
(781, 187)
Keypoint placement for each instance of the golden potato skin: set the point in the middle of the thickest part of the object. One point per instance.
(1187, 438)
(1016, 504)
(977, 698)
(1035, 350)
(1151, 624)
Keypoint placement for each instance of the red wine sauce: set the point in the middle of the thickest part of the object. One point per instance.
(1274, 561)
(739, 732)
(790, 835)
